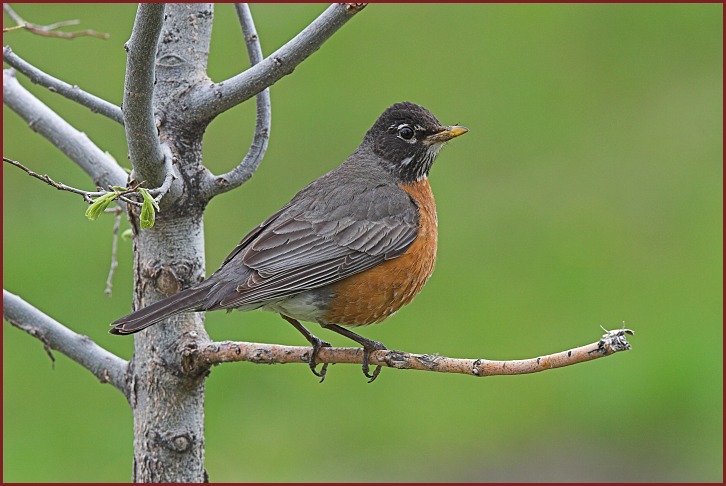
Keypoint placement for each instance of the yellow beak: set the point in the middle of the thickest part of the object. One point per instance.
(446, 134)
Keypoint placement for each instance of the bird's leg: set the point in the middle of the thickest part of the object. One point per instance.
(315, 342)
(368, 346)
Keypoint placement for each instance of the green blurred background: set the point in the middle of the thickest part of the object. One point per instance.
(588, 192)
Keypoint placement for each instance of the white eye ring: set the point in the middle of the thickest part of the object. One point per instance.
(405, 132)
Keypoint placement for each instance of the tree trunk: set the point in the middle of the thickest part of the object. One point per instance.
(168, 405)
(167, 402)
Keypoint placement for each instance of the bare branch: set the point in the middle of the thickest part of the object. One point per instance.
(138, 108)
(169, 176)
(210, 100)
(242, 173)
(61, 187)
(50, 30)
(99, 165)
(252, 40)
(73, 93)
(114, 251)
(87, 195)
(107, 367)
(228, 351)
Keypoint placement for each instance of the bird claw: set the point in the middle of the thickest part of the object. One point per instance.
(374, 346)
(313, 362)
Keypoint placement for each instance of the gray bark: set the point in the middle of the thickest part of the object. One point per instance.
(212, 99)
(138, 105)
(76, 145)
(74, 93)
(168, 404)
(107, 367)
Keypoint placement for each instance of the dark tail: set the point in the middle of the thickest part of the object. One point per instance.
(190, 299)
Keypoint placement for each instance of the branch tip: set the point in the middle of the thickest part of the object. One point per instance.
(614, 341)
(356, 7)
(50, 30)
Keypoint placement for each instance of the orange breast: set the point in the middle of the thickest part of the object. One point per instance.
(376, 294)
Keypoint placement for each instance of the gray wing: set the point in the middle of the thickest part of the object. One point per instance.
(317, 239)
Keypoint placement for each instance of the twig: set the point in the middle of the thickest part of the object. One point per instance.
(87, 195)
(50, 30)
(99, 165)
(242, 173)
(228, 351)
(114, 248)
(210, 100)
(61, 187)
(107, 367)
(73, 93)
(252, 40)
(165, 186)
(142, 135)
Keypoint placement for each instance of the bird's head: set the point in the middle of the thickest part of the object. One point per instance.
(408, 138)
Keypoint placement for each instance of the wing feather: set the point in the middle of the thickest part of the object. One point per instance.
(319, 238)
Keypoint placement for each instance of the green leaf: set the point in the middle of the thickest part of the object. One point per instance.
(126, 235)
(148, 209)
(99, 205)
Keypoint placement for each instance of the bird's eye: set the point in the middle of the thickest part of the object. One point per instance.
(406, 132)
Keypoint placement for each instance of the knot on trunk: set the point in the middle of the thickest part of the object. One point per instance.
(175, 442)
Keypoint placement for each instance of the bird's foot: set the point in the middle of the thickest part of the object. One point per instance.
(315, 342)
(367, 349)
(318, 343)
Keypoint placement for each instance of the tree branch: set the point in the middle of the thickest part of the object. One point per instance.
(212, 99)
(132, 188)
(87, 196)
(100, 166)
(49, 30)
(114, 251)
(242, 173)
(169, 175)
(73, 93)
(227, 351)
(106, 366)
(145, 149)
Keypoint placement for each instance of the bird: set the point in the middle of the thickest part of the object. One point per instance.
(349, 249)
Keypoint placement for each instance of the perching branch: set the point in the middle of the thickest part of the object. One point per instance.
(73, 93)
(228, 351)
(142, 136)
(49, 30)
(242, 173)
(210, 100)
(100, 166)
(107, 367)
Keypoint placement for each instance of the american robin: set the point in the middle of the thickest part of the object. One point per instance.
(350, 249)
